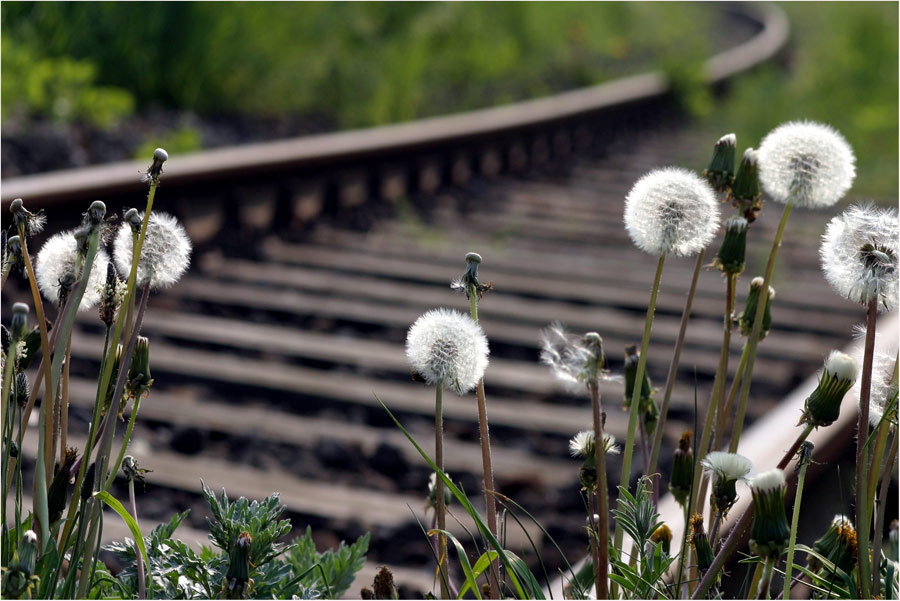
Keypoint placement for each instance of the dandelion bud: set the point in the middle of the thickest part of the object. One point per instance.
(432, 492)
(59, 266)
(19, 322)
(111, 296)
(720, 172)
(770, 532)
(160, 156)
(806, 163)
(823, 406)
(23, 219)
(15, 256)
(139, 381)
(447, 349)
(87, 485)
(23, 389)
(745, 193)
(383, 586)
(726, 469)
(682, 469)
(165, 255)
(133, 219)
(647, 407)
(838, 545)
(95, 213)
(27, 552)
(747, 317)
(730, 258)
(238, 574)
(663, 536)
(860, 255)
(671, 211)
(56, 497)
(700, 542)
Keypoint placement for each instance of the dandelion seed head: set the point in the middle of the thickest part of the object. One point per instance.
(165, 255)
(767, 481)
(884, 390)
(582, 444)
(447, 348)
(58, 261)
(671, 211)
(807, 163)
(860, 253)
(727, 466)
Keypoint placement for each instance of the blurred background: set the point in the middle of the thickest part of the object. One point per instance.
(95, 82)
(302, 286)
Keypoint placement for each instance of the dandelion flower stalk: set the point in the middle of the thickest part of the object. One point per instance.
(474, 290)
(880, 508)
(805, 455)
(447, 348)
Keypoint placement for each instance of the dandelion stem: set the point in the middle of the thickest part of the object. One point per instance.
(863, 508)
(64, 404)
(670, 379)
(740, 528)
(879, 515)
(489, 500)
(602, 564)
(439, 487)
(795, 520)
(593, 535)
(766, 580)
(753, 339)
(722, 420)
(636, 395)
(142, 587)
(118, 463)
(881, 439)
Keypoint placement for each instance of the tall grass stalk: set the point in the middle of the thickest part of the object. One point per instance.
(625, 477)
(670, 378)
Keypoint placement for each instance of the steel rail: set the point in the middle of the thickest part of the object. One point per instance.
(378, 143)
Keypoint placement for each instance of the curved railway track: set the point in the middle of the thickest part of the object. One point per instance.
(313, 256)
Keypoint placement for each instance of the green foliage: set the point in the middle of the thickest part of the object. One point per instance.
(637, 515)
(338, 568)
(62, 88)
(842, 71)
(280, 571)
(359, 64)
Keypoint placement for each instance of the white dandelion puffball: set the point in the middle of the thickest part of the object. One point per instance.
(859, 255)
(671, 211)
(582, 444)
(727, 466)
(806, 163)
(448, 349)
(165, 255)
(57, 261)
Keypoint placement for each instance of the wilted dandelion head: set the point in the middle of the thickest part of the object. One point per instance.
(573, 361)
(448, 349)
(57, 270)
(671, 211)
(806, 163)
(165, 255)
(582, 444)
(727, 466)
(860, 255)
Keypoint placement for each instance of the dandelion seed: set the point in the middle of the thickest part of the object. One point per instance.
(860, 255)
(165, 255)
(573, 362)
(448, 349)
(671, 211)
(58, 268)
(805, 163)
